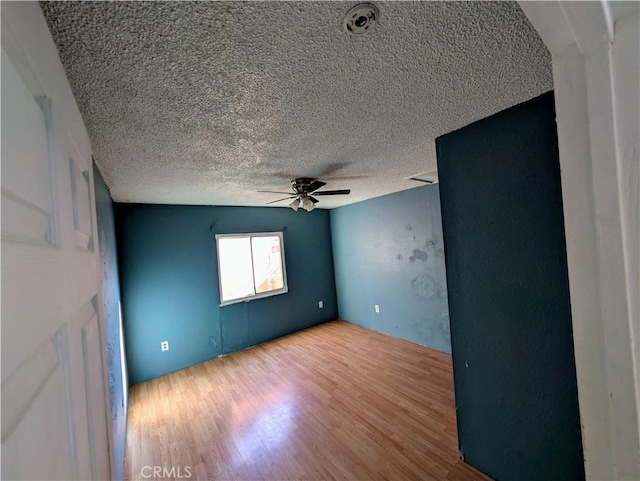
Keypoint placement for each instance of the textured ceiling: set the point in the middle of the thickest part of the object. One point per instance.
(208, 102)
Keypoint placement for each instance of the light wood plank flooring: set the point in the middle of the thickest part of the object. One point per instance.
(336, 401)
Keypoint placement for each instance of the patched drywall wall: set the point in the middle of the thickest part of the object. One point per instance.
(388, 252)
(170, 287)
(511, 332)
(118, 383)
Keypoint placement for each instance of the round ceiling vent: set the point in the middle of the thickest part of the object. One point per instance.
(361, 18)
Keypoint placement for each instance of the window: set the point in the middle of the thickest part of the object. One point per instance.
(250, 266)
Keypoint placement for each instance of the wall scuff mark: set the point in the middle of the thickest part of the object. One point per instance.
(419, 255)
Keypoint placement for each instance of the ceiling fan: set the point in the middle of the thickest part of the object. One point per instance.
(301, 190)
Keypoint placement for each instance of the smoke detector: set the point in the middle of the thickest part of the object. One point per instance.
(361, 18)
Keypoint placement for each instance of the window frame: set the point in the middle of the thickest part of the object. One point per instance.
(256, 295)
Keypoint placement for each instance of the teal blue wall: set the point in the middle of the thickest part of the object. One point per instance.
(388, 251)
(511, 333)
(170, 289)
(111, 310)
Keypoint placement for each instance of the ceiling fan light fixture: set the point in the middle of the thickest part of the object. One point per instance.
(307, 204)
(295, 204)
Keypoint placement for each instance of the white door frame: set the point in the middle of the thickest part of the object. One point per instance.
(594, 48)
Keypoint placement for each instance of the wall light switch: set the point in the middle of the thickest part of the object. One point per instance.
(164, 346)
(320, 304)
(377, 308)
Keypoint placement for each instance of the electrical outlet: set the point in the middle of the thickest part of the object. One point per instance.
(377, 308)
(164, 346)
(320, 304)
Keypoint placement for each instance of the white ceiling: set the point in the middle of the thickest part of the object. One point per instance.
(208, 102)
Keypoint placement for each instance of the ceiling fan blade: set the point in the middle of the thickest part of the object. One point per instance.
(313, 199)
(315, 185)
(333, 192)
(275, 192)
(286, 198)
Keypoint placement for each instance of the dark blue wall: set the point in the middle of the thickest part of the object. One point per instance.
(388, 251)
(511, 335)
(170, 292)
(113, 327)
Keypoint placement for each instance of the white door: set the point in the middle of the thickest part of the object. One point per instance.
(54, 413)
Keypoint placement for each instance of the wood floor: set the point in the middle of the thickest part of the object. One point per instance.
(336, 401)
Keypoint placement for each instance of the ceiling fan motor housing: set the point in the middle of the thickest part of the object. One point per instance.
(301, 185)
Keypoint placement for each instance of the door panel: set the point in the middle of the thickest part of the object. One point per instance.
(26, 179)
(36, 416)
(81, 203)
(95, 395)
